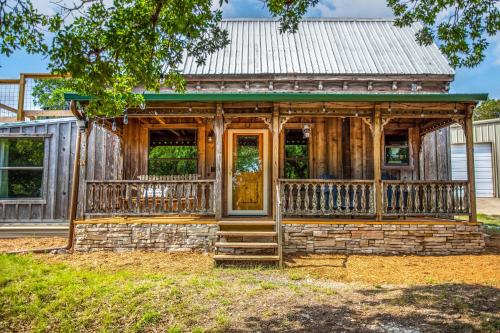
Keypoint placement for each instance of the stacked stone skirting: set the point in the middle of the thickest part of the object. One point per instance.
(122, 237)
(440, 239)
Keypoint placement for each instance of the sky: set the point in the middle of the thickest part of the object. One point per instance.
(483, 78)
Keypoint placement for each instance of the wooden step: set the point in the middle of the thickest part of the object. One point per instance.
(246, 223)
(247, 245)
(246, 257)
(247, 233)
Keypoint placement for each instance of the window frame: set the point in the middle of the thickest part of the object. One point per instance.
(406, 132)
(43, 190)
(309, 159)
(193, 127)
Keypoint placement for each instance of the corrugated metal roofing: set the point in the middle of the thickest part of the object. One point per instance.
(321, 46)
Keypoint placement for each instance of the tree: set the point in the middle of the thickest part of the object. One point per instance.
(460, 27)
(487, 110)
(110, 49)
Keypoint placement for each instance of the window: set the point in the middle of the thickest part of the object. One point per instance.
(397, 151)
(172, 152)
(21, 167)
(296, 155)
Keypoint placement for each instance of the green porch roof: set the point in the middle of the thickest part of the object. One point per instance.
(300, 97)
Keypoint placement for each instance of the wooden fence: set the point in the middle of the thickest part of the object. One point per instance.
(131, 197)
(17, 102)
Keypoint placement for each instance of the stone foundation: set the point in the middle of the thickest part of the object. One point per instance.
(430, 239)
(383, 238)
(151, 237)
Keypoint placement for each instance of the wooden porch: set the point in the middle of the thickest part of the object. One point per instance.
(347, 178)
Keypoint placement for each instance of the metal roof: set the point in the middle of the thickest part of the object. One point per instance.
(301, 97)
(321, 46)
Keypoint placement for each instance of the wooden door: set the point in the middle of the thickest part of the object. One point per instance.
(248, 172)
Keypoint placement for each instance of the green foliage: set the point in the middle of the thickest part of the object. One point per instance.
(112, 49)
(296, 161)
(172, 160)
(487, 110)
(49, 93)
(290, 12)
(460, 27)
(22, 27)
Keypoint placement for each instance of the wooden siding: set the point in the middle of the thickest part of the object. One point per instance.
(58, 169)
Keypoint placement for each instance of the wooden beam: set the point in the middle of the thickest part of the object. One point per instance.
(377, 163)
(219, 136)
(275, 123)
(8, 108)
(469, 144)
(160, 120)
(74, 111)
(20, 100)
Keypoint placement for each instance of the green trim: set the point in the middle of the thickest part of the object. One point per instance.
(301, 97)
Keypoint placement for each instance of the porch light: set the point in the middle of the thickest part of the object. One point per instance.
(113, 127)
(210, 137)
(142, 105)
(306, 130)
(125, 119)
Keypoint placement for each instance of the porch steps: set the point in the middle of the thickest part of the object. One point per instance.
(247, 240)
(240, 257)
(246, 245)
(240, 223)
(246, 233)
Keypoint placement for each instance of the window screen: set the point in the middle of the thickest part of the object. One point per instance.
(172, 152)
(296, 155)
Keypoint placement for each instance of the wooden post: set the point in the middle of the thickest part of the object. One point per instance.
(276, 140)
(20, 100)
(79, 167)
(377, 156)
(469, 143)
(219, 135)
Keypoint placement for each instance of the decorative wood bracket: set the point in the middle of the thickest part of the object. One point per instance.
(227, 122)
(385, 121)
(461, 122)
(369, 122)
(283, 121)
(268, 122)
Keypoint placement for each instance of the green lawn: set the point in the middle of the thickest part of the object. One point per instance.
(145, 292)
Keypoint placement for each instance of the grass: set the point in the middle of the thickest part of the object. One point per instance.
(491, 222)
(157, 292)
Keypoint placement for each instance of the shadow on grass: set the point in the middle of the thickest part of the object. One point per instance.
(434, 308)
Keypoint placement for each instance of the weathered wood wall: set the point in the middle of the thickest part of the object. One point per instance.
(58, 169)
(340, 148)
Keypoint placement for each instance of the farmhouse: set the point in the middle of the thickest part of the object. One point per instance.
(333, 139)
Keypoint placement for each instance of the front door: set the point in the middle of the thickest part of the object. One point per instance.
(248, 172)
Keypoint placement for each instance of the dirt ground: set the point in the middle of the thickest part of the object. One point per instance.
(313, 293)
(370, 269)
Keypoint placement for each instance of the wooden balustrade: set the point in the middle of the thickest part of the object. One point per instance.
(130, 197)
(435, 198)
(327, 197)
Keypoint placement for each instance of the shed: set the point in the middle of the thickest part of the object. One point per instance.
(486, 154)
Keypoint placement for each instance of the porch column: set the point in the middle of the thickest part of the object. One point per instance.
(276, 139)
(219, 134)
(469, 143)
(377, 155)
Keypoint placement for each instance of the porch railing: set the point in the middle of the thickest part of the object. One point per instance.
(435, 198)
(131, 197)
(327, 197)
